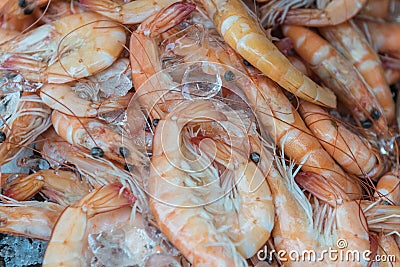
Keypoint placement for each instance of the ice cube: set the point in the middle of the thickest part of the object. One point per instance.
(201, 80)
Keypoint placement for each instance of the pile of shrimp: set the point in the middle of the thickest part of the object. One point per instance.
(201, 132)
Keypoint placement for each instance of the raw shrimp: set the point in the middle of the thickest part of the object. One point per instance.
(388, 188)
(353, 154)
(347, 39)
(53, 53)
(89, 133)
(62, 187)
(244, 34)
(127, 13)
(68, 242)
(31, 219)
(62, 98)
(21, 129)
(335, 12)
(300, 227)
(283, 123)
(190, 205)
(145, 60)
(380, 10)
(383, 37)
(341, 76)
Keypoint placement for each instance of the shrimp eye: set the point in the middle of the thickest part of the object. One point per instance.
(155, 122)
(28, 11)
(366, 124)
(375, 114)
(246, 63)
(22, 3)
(2, 137)
(255, 157)
(129, 167)
(124, 152)
(97, 152)
(229, 76)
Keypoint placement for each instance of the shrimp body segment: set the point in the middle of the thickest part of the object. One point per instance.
(348, 40)
(30, 219)
(244, 34)
(62, 98)
(336, 12)
(128, 13)
(73, 47)
(89, 133)
(350, 151)
(341, 76)
(67, 243)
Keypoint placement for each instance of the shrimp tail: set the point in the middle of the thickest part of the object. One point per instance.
(23, 189)
(167, 18)
(106, 199)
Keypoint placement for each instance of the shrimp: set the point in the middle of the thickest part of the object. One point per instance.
(392, 76)
(388, 188)
(31, 219)
(180, 204)
(145, 60)
(334, 13)
(67, 242)
(21, 129)
(341, 76)
(353, 154)
(62, 98)
(299, 226)
(6, 35)
(349, 41)
(12, 17)
(89, 133)
(382, 36)
(53, 52)
(282, 122)
(380, 10)
(62, 187)
(128, 13)
(243, 33)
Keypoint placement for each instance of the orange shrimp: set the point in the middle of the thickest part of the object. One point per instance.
(301, 226)
(284, 124)
(243, 33)
(53, 53)
(31, 219)
(332, 13)
(348, 40)
(145, 60)
(67, 242)
(354, 154)
(388, 188)
(127, 13)
(31, 118)
(62, 187)
(381, 218)
(187, 194)
(341, 76)
(90, 133)
(383, 36)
